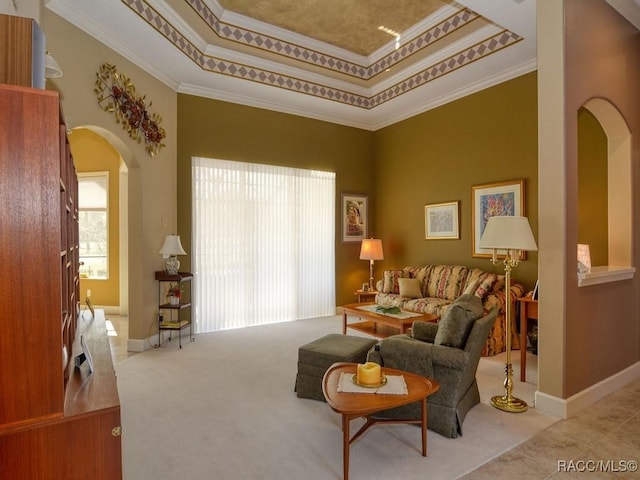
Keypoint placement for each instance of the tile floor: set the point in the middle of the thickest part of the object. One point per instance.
(607, 432)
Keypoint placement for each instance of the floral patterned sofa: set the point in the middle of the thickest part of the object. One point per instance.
(433, 288)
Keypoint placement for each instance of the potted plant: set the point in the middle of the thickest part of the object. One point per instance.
(174, 295)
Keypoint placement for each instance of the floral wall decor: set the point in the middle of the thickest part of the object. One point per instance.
(117, 94)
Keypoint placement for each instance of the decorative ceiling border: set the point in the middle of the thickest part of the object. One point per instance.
(210, 63)
(303, 54)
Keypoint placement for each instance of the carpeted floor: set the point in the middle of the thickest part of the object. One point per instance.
(223, 408)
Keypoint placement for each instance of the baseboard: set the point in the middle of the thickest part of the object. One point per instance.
(142, 344)
(567, 408)
(136, 344)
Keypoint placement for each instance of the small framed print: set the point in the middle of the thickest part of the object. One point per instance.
(441, 221)
(354, 217)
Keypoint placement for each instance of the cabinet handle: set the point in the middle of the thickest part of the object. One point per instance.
(116, 431)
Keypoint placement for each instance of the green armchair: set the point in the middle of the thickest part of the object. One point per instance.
(448, 352)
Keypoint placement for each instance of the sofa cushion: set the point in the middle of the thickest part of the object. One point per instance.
(454, 327)
(391, 284)
(446, 281)
(480, 283)
(409, 288)
(435, 306)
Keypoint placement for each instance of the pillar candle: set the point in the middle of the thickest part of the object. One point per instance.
(368, 373)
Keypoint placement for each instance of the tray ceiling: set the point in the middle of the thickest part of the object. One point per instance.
(364, 63)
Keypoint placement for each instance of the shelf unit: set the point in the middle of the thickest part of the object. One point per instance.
(175, 317)
(56, 421)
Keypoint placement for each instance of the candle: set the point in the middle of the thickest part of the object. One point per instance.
(368, 373)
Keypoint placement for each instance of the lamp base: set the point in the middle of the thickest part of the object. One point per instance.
(173, 265)
(508, 403)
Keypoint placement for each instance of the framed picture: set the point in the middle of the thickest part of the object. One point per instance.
(502, 198)
(354, 217)
(441, 221)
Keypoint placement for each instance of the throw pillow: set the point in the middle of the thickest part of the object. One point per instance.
(391, 284)
(454, 327)
(409, 288)
(480, 283)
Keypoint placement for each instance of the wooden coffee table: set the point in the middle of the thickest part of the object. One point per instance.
(356, 405)
(378, 324)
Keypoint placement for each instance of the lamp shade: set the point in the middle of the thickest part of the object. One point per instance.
(508, 233)
(51, 67)
(371, 249)
(172, 246)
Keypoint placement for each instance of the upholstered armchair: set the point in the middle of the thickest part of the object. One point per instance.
(448, 352)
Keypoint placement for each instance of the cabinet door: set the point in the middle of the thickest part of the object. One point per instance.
(31, 377)
(78, 448)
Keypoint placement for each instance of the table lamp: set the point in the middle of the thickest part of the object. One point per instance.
(171, 248)
(513, 235)
(371, 249)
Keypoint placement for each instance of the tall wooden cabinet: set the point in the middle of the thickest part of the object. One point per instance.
(56, 421)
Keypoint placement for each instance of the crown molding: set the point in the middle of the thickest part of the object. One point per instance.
(274, 99)
(412, 109)
(629, 9)
(267, 29)
(64, 9)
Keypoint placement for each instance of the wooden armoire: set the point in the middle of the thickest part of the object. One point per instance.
(57, 420)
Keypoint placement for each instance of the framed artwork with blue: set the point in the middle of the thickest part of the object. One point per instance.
(501, 198)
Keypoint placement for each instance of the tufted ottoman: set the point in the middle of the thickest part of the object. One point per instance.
(315, 358)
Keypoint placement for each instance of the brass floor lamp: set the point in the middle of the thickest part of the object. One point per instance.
(512, 235)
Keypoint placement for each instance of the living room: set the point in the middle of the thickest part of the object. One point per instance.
(513, 130)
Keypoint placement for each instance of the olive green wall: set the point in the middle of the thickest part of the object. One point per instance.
(439, 155)
(431, 158)
(593, 216)
(215, 129)
(92, 153)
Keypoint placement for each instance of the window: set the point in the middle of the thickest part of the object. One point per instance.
(93, 193)
(263, 244)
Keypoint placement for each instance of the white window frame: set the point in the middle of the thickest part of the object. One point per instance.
(104, 174)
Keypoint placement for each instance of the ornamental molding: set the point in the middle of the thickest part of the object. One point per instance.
(117, 94)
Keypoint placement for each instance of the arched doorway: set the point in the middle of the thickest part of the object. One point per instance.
(130, 225)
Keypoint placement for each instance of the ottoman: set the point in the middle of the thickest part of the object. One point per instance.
(315, 358)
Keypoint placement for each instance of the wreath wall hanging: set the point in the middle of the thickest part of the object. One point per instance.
(117, 94)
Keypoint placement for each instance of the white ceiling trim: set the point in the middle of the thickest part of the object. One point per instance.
(248, 23)
(414, 103)
(630, 9)
(184, 76)
(109, 39)
(300, 51)
(440, 55)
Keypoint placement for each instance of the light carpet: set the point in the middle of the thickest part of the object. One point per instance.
(224, 408)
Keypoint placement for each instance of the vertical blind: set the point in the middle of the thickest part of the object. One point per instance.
(263, 243)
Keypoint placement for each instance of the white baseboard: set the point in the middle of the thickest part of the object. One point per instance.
(567, 408)
(142, 344)
(137, 344)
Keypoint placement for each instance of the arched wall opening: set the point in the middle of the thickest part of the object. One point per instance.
(619, 193)
(130, 228)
